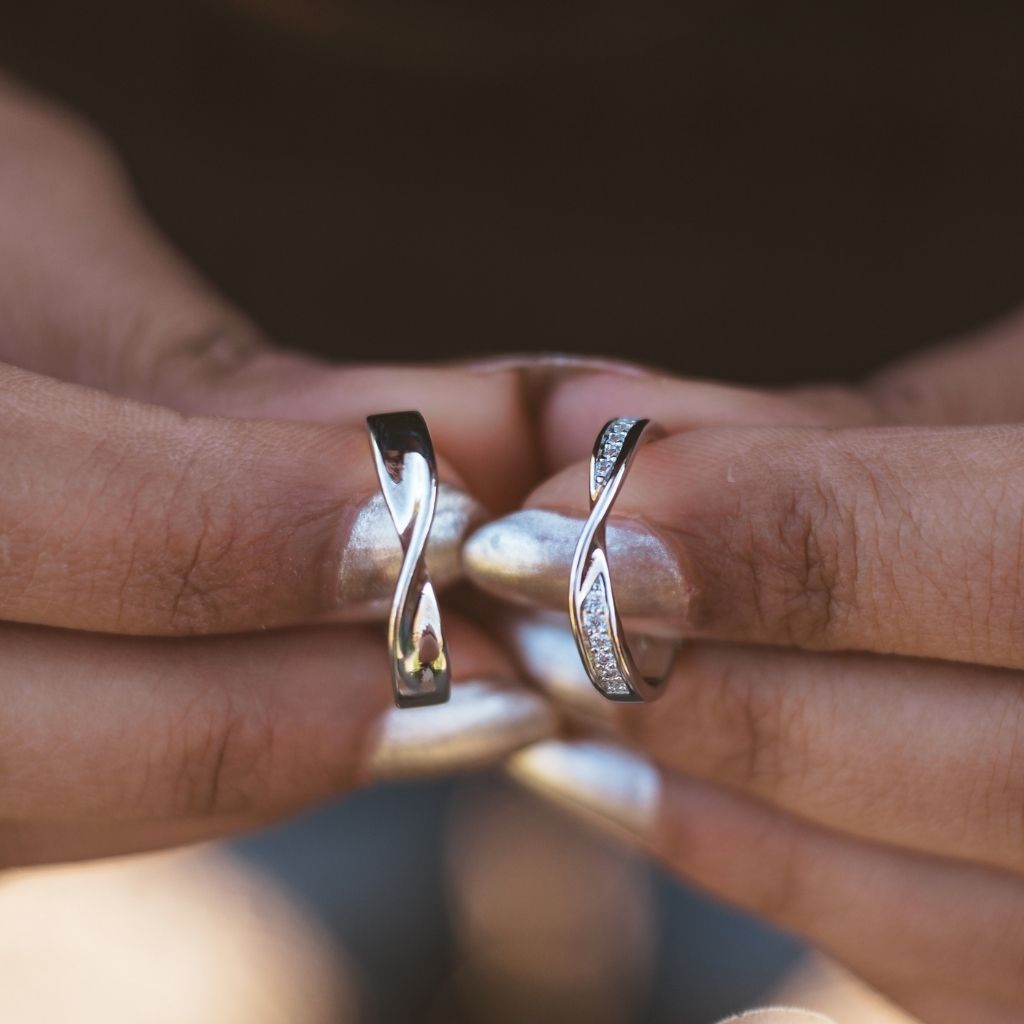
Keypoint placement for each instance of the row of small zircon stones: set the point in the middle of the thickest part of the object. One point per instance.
(597, 627)
(598, 632)
(608, 448)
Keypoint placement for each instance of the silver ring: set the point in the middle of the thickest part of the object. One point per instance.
(614, 669)
(407, 470)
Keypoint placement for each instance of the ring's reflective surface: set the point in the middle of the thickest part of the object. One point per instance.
(616, 671)
(407, 470)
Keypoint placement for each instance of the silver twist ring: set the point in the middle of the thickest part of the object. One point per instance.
(614, 669)
(407, 471)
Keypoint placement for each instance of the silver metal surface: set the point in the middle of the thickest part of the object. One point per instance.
(407, 470)
(525, 558)
(371, 557)
(617, 672)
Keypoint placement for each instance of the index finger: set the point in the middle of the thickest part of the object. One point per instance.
(895, 541)
(580, 405)
(127, 518)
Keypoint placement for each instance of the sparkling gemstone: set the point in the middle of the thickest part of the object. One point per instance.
(598, 640)
(609, 447)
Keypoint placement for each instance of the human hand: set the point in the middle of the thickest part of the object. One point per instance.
(838, 748)
(91, 296)
(150, 544)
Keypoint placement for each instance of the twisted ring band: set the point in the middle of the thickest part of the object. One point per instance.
(407, 470)
(614, 669)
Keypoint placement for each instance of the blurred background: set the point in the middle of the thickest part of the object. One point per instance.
(760, 192)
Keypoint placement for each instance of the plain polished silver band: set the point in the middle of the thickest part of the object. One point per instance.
(614, 669)
(407, 470)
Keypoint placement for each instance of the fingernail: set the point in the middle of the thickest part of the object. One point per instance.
(779, 1015)
(526, 556)
(600, 783)
(557, 363)
(543, 646)
(372, 554)
(482, 723)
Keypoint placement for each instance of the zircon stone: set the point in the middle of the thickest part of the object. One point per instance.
(600, 650)
(609, 446)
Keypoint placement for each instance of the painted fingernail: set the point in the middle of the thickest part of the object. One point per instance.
(482, 723)
(558, 364)
(779, 1015)
(372, 554)
(601, 783)
(526, 556)
(543, 646)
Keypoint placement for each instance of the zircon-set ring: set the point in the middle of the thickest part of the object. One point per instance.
(407, 470)
(614, 669)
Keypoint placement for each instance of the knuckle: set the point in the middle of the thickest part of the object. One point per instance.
(812, 537)
(993, 588)
(165, 354)
(199, 571)
(195, 562)
(804, 566)
(802, 548)
(206, 579)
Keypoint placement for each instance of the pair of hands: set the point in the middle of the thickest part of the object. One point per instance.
(841, 750)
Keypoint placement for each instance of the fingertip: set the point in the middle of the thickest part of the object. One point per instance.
(482, 723)
(579, 404)
(779, 1015)
(576, 409)
(542, 644)
(601, 783)
(526, 557)
(371, 555)
(477, 421)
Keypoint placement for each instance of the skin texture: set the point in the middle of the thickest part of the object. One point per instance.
(172, 485)
(849, 764)
(893, 540)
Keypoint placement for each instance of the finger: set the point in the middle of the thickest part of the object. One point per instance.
(479, 421)
(940, 938)
(31, 843)
(820, 982)
(576, 408)
(231, 727)
(971, 381)
(902, 540)
(90, 292)
(128, 518)
(922, 755)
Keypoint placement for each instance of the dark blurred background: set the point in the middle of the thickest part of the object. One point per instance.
(760, 192)
(764, 192)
